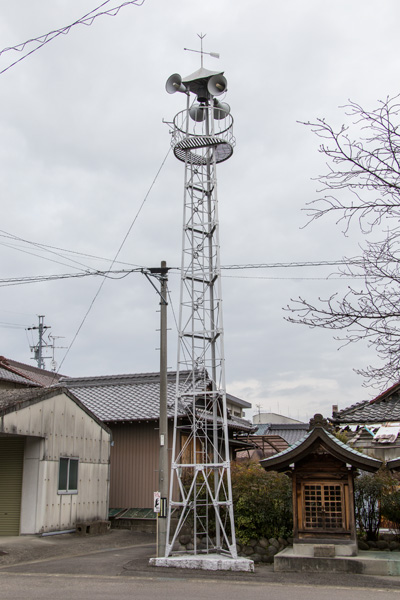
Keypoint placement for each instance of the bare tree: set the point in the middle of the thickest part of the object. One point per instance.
(362, 186)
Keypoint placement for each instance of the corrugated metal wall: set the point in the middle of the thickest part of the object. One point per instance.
(11, 467)
(67, 431)
(134, 464)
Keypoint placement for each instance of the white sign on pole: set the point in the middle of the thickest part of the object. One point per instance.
(157, 502)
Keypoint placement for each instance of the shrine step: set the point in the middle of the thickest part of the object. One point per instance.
(366, 563)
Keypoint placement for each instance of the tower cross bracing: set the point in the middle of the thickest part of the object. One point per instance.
(200, 489)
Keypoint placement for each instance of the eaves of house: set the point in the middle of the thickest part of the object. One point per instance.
(385, 408)
(136, 398)
(20, 374)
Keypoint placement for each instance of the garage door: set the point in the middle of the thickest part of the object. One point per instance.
(11, 465)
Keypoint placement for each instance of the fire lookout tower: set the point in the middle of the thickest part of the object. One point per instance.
(200, 485)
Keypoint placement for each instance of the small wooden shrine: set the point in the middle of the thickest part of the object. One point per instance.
(322, 469)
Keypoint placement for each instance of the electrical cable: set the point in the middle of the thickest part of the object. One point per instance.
(115, 258)
(11, 325)
(87, 20)
(320, 263)
(51, 249)
(329, 278)
(44, 247)
(122, 273)
(18, 249)
(45, 278)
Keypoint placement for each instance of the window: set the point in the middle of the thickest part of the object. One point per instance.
(68, 476)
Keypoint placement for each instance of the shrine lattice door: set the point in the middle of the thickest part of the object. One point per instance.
(323, 506)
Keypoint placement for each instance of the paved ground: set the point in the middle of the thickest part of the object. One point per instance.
(120, 554)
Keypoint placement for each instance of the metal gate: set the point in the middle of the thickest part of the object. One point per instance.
(11, 468)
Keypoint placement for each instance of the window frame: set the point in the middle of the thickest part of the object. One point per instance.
(68, 476)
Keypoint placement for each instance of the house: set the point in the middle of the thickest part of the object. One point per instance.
(54, 461)
(15, 375)
(130, 406)
(373, 425)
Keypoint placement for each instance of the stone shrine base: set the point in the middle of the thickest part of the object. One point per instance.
(206, 562)
(366, 563)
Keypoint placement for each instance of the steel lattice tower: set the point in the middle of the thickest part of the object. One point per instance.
(200, 485)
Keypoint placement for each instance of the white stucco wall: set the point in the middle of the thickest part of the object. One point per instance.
(57, 427)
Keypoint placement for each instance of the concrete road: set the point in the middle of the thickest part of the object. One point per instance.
(117, 565)
(80, 587)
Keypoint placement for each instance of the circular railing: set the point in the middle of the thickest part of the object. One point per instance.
(192, 140)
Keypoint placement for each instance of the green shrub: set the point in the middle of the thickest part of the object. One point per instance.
(390, 509)
(262, 502)
(369, 491)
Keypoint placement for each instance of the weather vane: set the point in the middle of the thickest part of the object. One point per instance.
(201, 51)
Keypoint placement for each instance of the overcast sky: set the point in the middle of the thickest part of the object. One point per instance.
(82, 140)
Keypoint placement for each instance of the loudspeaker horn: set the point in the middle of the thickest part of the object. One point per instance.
(217, 85)
(221, 110)
(174, 84)
(197, 112)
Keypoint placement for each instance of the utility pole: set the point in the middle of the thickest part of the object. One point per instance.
(38, 348)
(163, 455)
(163, 469)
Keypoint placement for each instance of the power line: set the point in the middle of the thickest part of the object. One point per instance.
(48, 248)
(11, 325)
(329, 278)
(115, 258)
(87, 20)
(118, 274)
(39, 246)
(58, 252)
(320, 263)
(122, 273)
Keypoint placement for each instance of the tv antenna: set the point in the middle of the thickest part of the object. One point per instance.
(42, 345)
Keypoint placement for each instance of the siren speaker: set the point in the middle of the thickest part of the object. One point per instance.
(174, 84)
(221, 110)
(217, 85)
(197, 112)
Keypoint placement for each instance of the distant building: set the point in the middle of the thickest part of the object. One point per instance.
(373, 425)
(273, 433)
(272, 418)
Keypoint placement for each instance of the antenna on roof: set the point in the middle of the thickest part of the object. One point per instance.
(41, 345)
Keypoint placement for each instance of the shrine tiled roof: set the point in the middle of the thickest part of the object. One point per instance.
(294, 453)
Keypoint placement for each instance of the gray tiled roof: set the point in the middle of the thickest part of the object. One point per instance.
(134, 397)
(10, 398)
(290, 432)
(16, 372)
(384, 408)
(11, 377)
